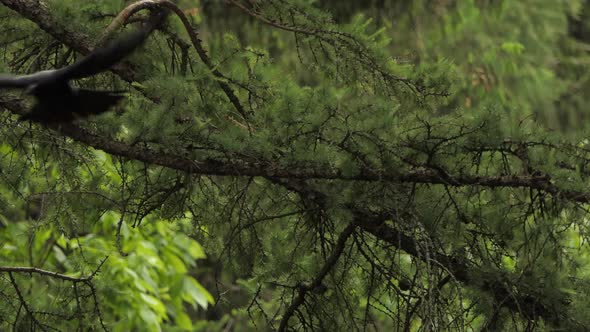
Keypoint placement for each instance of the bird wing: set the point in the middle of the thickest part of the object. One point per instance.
(24, 81)
(96, 62)
(102, 59)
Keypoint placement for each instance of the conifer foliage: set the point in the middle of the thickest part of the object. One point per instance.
(302, 165)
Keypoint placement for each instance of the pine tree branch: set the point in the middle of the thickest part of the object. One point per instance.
(24, 304)
(303, 289)
(31, 270)
(37, 11)
(239, 166)
(513, 296)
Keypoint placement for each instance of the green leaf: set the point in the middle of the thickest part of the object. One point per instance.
(154, 303)
(150, 319)
(174, 262)
(196, 250)
(513, 47)
(183, 321)
(59, 254)
(195, 293)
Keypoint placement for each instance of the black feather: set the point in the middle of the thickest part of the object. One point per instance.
(57, 101)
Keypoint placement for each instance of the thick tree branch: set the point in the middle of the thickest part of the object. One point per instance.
(515, 297)
(527, 301)
(238, 166)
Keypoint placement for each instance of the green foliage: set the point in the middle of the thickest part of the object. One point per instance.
(148, 288)
(450, 134)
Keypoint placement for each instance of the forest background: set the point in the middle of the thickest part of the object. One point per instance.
(323, 165)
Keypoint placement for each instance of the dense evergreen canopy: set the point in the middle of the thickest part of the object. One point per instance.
(302, 165)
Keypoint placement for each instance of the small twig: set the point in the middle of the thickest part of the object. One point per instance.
(18, 269)
(24, 302)
(303, 289)
(119, 225)
(96, 307)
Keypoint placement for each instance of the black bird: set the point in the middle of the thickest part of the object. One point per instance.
(57, 101)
